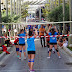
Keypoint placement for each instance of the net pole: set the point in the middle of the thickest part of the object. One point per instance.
(63, 16)
(40, 14)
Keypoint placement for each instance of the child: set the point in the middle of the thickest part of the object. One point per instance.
(17, 46)
(31, 49)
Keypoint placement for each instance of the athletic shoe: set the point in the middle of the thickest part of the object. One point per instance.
(32, 70)
(44, 46)
(24, 58)
(48, 51)
(48, 57)
(18, 56)
(59, 57)
(53, 51)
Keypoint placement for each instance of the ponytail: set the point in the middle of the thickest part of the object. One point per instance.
(52, 31)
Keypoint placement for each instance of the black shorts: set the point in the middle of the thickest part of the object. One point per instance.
(47, 41)
(22, 44)
(53, 43)
(15, 44)
(31, 52)
(7, 41)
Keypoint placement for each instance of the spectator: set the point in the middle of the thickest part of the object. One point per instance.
(67, 27)
(41, 33)
(60, 42)
(65, 42)
(7, 40)
(46, 28)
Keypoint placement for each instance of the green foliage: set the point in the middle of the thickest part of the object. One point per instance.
(15, 18)
(24, 14)
(24, 11)
(6, 19)
(1, 52)
(69, 48)
(57, 14)
(9, 19)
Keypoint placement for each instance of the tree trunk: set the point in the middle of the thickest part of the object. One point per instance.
(6, 7)
(63, 16)
(1, 40)
(11, 7)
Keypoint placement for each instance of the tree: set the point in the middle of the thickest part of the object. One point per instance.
(56, 14)
(24, 11)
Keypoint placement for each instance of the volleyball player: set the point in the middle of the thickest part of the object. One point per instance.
(17, 46)
(31, 49)
(53, 40)
(22, 43)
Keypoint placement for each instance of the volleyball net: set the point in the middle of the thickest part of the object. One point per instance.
(12, 28)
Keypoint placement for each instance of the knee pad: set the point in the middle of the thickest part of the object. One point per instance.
(48, 46)
(57, 50)
(17, 49)
(32, 60)
(24, 51)
(20, 51)
(50, 50)
(29, 60)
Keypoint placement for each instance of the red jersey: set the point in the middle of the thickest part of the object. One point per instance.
(16, 40)
(47, 38)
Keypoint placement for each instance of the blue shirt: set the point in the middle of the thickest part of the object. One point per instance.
(53, 39)
(24, 32)
(39, 26)
(22, 40)
(29, 26)
(31, 44)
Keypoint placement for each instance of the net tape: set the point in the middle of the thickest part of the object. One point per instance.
(38, 23)
(37, 36)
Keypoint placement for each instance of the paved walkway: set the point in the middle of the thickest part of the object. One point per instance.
(42, 64)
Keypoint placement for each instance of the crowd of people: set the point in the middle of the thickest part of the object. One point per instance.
(41, 31)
